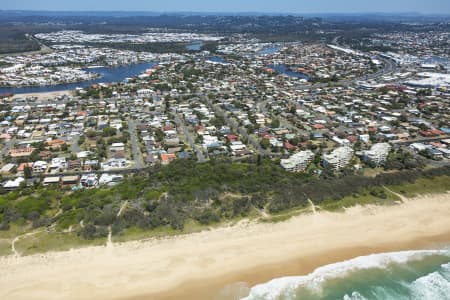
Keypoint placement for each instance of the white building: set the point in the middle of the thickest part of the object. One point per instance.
(89, 180)
(58, 163)
(378, 153)
(13, 184)
(237, 146)
(209, 140)
(12, 69)
(51, 180)
(419, 147)
(115, 147)
(40, 166)
(84, 154)
(110, 179)
(115, 163)
(298, 161)
(339, 158)
(445, 152)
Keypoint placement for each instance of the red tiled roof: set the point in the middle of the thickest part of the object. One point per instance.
(318, 126)
(232, 137)
(288, 146)
(352, 138)
(168, 157)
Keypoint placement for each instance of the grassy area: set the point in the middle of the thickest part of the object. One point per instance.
(135, 233)
(14, 230)
(284, 216)
(53, 241)
(423, 186)
(377, 196)
(5, 247)
(369, 172)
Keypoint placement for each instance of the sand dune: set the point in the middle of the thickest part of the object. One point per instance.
(196, 266)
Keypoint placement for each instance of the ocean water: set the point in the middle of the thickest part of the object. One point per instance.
(410, 275)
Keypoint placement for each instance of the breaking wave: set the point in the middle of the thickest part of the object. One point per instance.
(423, 275)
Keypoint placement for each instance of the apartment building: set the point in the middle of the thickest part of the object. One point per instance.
(297, 162)
(339, 158)
(377, 154)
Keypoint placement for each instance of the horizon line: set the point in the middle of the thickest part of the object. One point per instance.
(230, 12)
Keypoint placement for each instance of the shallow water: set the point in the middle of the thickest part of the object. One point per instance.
(423, 275)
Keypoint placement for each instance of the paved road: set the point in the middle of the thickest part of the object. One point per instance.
(138, 163)
(44, 47)
(199, 152)
(233, 124)
(7, 145)
(438, 163)
(74, 147)
(424, 140)
(283, 122)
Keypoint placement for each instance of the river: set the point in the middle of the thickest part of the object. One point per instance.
(282, 69)
(108, 75)
(195, 46)
(269, 50)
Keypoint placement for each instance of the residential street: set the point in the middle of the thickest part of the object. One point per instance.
(137, 156)
(199, 152)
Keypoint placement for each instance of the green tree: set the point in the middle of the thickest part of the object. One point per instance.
(27, 171)
(275, 123)
(109, 131)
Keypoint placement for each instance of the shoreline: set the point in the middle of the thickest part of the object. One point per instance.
(299, 266)
(199, 265)
(71, 86)
(50, 84)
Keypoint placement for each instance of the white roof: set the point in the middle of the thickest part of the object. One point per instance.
(107, 178)
(7, 167)
(51, 179)
(14, 183)
(117, 145)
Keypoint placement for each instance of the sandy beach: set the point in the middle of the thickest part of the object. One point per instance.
(198, 266)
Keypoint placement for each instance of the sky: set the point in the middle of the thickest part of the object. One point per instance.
(274, 6)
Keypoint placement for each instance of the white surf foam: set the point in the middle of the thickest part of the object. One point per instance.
(430, 287)
(354, 296)
(445, 271)
(286, 286)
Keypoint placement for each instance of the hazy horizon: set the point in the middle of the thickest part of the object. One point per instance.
(439, 7)
(136, 12)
